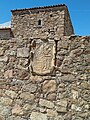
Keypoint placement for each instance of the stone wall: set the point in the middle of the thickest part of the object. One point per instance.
(59, 92)
(68, 24)
(5, 33)
(53, 22)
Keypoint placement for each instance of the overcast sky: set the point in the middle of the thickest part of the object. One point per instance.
(79, 11)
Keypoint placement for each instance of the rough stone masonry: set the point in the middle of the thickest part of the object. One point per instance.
(44, 68)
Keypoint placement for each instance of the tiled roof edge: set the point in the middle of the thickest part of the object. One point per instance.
(5, 28)
(35, 8)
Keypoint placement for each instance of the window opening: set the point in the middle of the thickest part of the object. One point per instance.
(39, 22)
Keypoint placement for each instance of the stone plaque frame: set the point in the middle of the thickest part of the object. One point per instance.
(43, 61)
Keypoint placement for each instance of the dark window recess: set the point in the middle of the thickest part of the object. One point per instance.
(39, 22)
(51, 15)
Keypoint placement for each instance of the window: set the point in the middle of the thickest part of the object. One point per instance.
(39, 22)
(51, 15)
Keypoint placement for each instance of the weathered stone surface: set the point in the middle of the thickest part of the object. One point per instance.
(42, 110)
(87, 106)
(85, 85)
(8, 74)
(51, 113)
(43, 58)
(1, 64)
(4, 111)
(27, 107)
(3, 59)
(49, 86)
(23, 64)
(75, 94)
(12, 53)
(6, 101)
(46, 103)
(38, 116)
(31, 88)
(27, 96)
(1, 93)
(24, 74)
(68, 77)
(61, 109)
(15, 118)
(17, 110)
(76, 108)
(2, 51)
(36, 78)
(23, 52)
(51, 96)
(19, 118)
(61, 106)
(2, 118)
(62, 103)
(84, 115)
(11, 94)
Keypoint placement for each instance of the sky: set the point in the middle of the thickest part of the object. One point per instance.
(79, 11)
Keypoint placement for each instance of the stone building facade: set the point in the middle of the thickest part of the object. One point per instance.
(44, 78)
(5, 33)
(51, 21)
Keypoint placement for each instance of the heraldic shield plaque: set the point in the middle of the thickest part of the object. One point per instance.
(43, 57)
